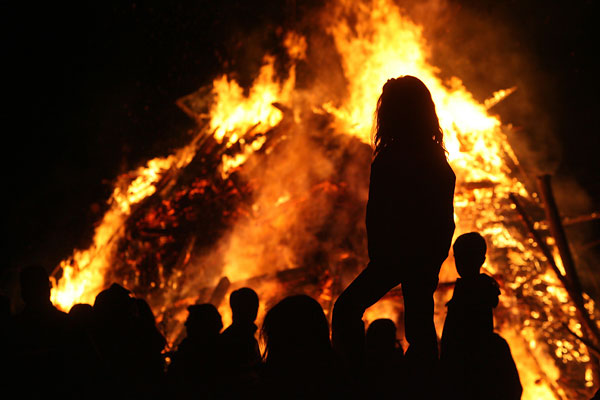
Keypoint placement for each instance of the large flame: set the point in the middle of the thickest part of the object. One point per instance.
(83, 273)
(379, 44)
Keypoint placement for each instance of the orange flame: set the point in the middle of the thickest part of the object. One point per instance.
(83, 273)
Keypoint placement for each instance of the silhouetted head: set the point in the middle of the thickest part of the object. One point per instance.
(406, 114)
(244, 305)
(203, 321)
(469, 254)
(296, 332)
(381, 335)
(81, 315)
(114, 304)
(35, 285)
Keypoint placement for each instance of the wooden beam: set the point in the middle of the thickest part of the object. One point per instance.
(558, 232)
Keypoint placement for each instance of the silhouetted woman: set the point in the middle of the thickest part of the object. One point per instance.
(409, 223)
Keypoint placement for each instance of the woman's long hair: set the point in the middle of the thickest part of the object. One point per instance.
(406, 114)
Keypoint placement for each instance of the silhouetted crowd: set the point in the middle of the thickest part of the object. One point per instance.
(113, 348)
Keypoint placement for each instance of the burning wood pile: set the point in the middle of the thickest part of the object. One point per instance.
(271, 193)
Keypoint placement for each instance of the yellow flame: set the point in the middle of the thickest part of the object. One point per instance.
(233, 113)
(83, 273)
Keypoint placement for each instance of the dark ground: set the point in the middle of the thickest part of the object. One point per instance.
(92, 90)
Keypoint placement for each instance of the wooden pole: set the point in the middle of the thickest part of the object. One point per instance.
(540, 242)
(590, 328)
(556, 229)
(558, 232)
(575, 289)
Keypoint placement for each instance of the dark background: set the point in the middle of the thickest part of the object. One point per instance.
(90, 90)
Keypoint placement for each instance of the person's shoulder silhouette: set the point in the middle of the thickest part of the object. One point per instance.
(40, 334)
(240, 347)
(384, 359)
(194, 365)
(146, 327)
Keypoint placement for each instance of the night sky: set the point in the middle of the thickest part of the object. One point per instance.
(92, 90)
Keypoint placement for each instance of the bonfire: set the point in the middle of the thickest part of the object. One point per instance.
(270, 192)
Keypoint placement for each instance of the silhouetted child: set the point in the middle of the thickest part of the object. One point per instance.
(477, 362)
(193, 370)
(240, 352)
(470, 311)
(384, 359)
(115, 336)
